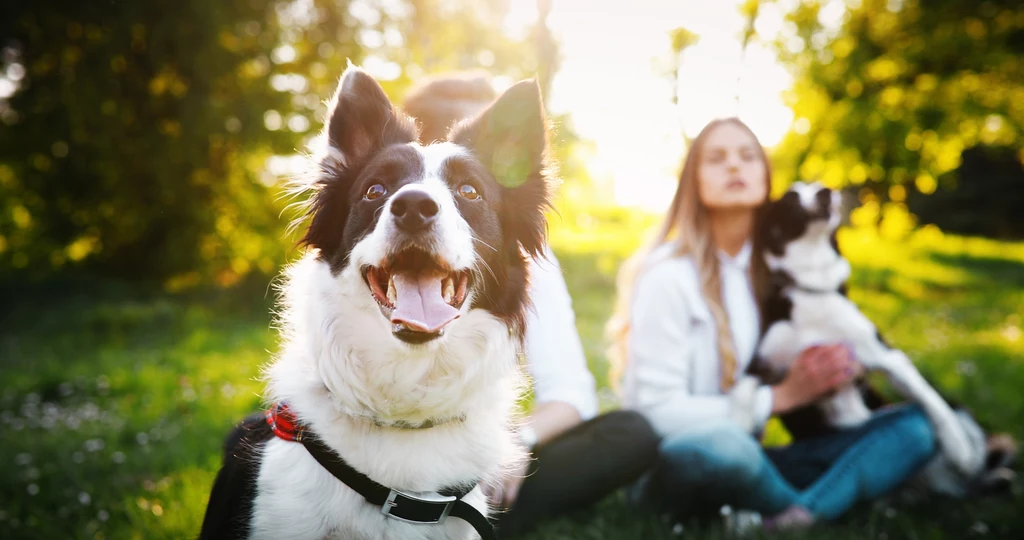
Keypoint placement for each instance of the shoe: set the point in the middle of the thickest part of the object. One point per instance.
(792, 518)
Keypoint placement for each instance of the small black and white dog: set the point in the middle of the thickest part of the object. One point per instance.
(808, 305)
(401, 328)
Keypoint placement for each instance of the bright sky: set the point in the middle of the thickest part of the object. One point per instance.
(609, 80)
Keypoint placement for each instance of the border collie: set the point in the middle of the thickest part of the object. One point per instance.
(808, 305)
(401, 326)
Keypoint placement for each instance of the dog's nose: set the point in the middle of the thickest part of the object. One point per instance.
(414, 210)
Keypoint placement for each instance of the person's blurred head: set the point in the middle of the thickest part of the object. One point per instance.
(439, 102)
(731, 168)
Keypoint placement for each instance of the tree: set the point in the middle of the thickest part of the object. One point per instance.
(681, 39)
(126, 148)
(987, 197)
(890, 93)
(147, 139)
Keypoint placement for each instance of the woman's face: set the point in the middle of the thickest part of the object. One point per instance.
(731, 173)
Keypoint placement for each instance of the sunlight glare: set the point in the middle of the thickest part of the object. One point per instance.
(613, 81)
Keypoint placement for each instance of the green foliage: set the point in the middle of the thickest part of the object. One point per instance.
(440, 36)
(132, 143)
(682, 39)
(115, 412)
(894, 93)
(990, 178)
(146, 140)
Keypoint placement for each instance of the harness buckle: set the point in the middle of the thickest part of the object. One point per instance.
(429, 508)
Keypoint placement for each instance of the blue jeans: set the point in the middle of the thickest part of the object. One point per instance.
(717, 464)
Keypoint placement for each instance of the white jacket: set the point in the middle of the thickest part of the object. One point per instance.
(673, 371)
(554, 354)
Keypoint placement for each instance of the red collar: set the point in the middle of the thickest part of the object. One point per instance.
(284, 423)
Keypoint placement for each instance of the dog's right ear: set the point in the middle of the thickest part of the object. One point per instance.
(773, 236)
(361, 119)
(360, 122)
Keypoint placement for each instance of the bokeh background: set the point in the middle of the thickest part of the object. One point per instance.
(145, 146)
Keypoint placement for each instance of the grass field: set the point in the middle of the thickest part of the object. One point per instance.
(115, 399)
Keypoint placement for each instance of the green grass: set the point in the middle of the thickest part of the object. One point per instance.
(115, 400)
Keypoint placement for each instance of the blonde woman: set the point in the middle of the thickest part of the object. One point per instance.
(686, 329)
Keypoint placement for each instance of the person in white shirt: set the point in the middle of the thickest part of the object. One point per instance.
(578, 455)
(685, 331)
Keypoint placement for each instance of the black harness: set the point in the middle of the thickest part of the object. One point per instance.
(430, 509)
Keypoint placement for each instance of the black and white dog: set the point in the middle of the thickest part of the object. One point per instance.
(808, 305)
(401, 329)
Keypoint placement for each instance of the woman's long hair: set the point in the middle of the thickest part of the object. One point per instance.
(687, 229)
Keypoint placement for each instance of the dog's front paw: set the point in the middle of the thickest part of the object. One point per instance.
(958, 448)
(893, 361)
(742, 399)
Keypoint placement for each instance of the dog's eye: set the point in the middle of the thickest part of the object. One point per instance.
(375, 191)
(469, 192)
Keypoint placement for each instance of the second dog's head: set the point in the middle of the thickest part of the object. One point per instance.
(806, 215)
(430, 232)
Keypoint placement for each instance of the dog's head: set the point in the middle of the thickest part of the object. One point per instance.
(808, 214)
(430, 232)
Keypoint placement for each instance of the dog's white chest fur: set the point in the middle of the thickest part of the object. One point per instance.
(339, 366)
(821, 319)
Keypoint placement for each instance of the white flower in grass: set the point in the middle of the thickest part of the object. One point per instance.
(94, 445)
(966, 367)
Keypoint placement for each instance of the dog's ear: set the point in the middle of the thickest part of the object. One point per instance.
(772, 238)
(361, 119)
(510, 138)
(770, 228)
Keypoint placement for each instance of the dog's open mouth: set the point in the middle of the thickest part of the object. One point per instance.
(418, 293)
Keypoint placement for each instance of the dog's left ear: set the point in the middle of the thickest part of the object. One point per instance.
(510, 139)
(771, 229)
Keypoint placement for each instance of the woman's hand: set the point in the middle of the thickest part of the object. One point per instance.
(547, 421)
(817, 371)
(504, 495)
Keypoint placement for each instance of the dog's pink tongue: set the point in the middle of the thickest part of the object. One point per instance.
(419, 303)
